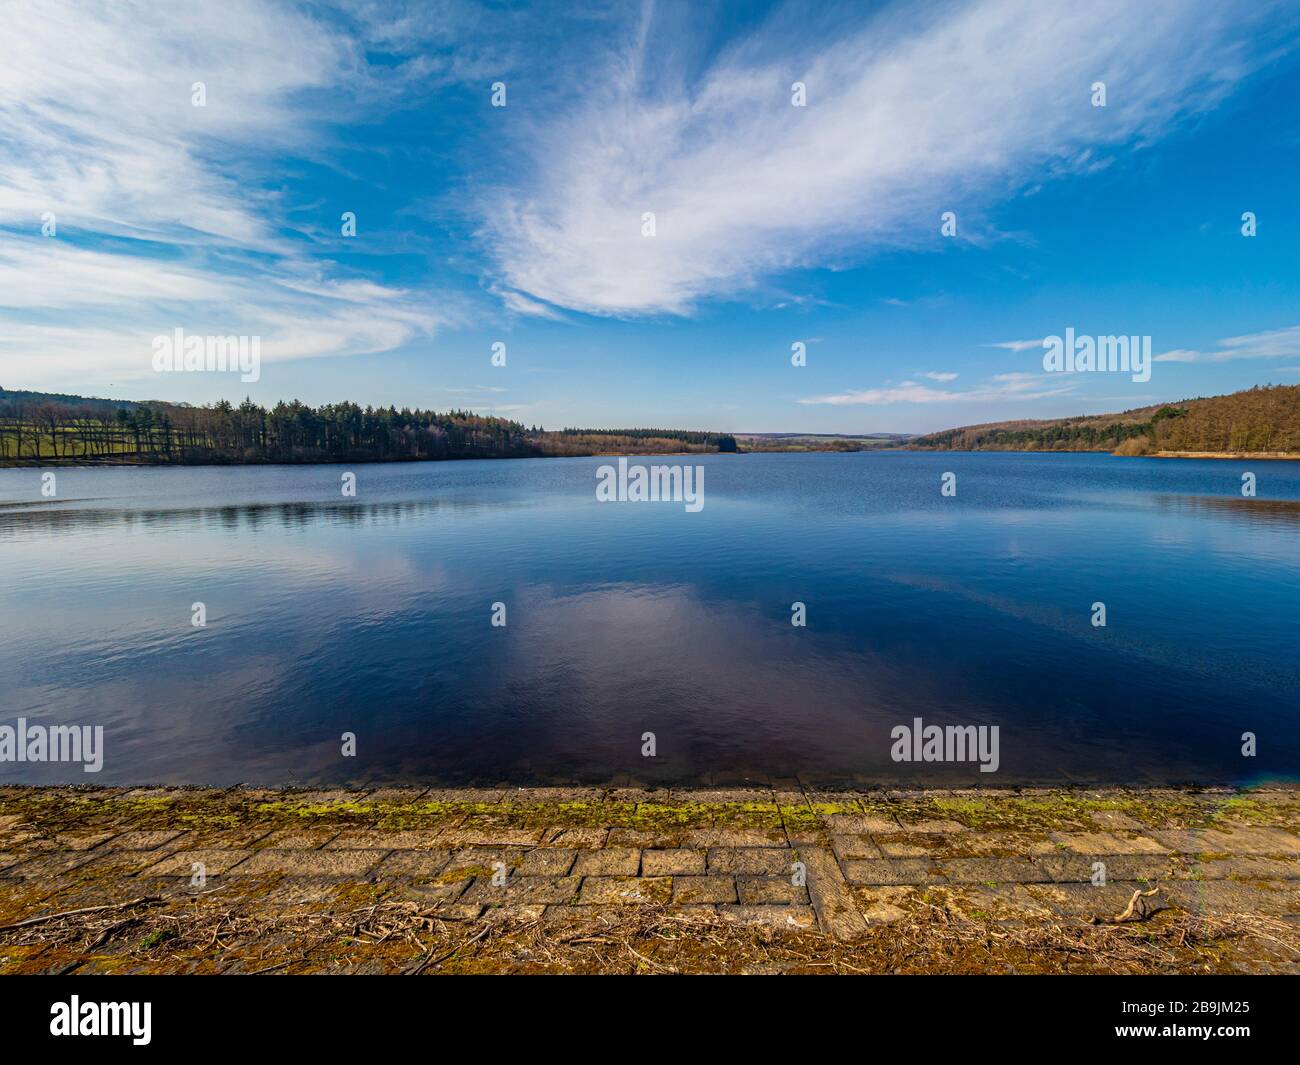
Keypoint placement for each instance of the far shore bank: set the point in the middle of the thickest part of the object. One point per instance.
(80, 463)
(1263, 456)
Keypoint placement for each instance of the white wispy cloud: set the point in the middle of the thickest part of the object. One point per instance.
(912, 113)
(105, 134)
(945, 377)
(1273, 344)
(1015, 345)
(164, 215)
(1000, 387)
(521, 304)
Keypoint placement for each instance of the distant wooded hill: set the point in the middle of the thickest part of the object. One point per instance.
(41, 427)
(1261, 419)
(820, 441)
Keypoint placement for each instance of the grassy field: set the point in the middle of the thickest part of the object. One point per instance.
(67, 442)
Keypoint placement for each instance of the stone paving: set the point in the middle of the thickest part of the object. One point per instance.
(831, 863)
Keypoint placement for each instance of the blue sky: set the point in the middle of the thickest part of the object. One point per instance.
(773, 223)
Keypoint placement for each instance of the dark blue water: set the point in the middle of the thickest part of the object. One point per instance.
(372, 615)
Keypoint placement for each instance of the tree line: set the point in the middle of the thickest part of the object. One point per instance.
(712, 441)
(45, 427)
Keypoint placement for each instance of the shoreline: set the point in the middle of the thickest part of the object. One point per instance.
(784, 879)
(78, 464)
(1252, 456)
(1261, 456)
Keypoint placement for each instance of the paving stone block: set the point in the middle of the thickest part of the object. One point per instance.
(838, 801)
(50, 864)
(118, 863)
(770, 891)
(181, 863)
(525, 797)
(677, 862)
(1181, 840)
(547, 861)
(434, 893)
(751, 861)
(143, 841)
(222, 838)
(414, 863)
(888, 871)
(320, 797)
(488, 836)
(1007, 902)
(1081, 868)
(523, 890)
(910, 846)
(580, 838)
(853, 847)
(1107, 843)
(1221, 897)
(310, 863)
(996, 845)
(1248, 868)
(292, 839)
(465, 796)
(84, 841)
(613, 861)
(991, 871)
(832, 901)
(626, 890)
(703, 890)
(717, 796)
(481, 861)
(1251, 839)
(643, 839)
(636, 795)
(373, 839)
(930, 827)
(1115, 821)
(704, 838)
(860, 824)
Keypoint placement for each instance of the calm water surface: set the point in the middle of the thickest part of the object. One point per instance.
(372, 615)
